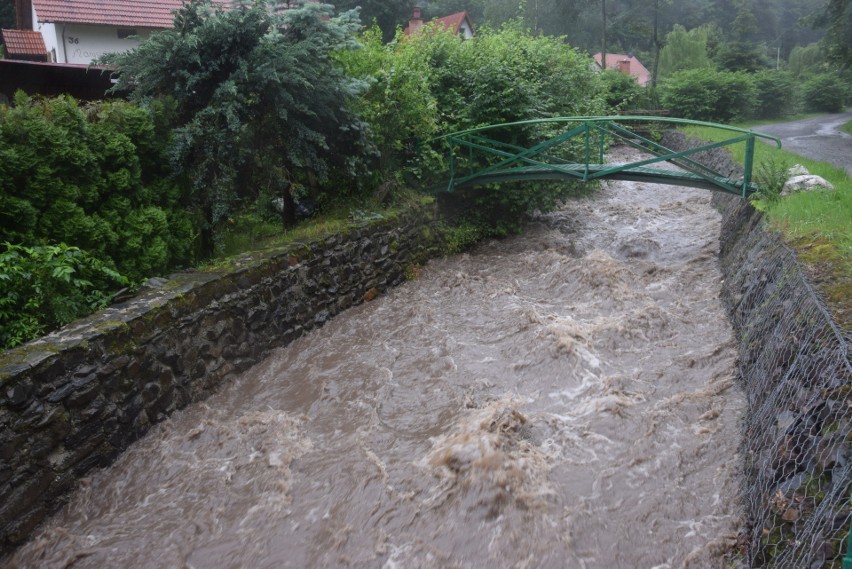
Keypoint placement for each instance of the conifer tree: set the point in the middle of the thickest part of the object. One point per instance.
(260, 104)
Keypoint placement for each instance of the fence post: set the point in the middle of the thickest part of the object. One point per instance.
(747, 166)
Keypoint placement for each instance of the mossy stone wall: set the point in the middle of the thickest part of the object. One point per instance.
(75, 399)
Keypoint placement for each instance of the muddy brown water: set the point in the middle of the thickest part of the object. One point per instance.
(564, 398)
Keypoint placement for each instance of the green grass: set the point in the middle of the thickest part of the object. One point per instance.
(817, 224)
(847, 127)
(250, 232)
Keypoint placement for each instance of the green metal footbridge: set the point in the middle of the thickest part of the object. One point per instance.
(564, 148)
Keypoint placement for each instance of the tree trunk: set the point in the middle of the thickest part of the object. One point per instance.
(288, 207)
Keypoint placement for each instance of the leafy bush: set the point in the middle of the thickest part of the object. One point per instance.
(705, 94)
(621, 91)
(398, 105)
(435, 82)
(510, 75)
(45, 287)
(826, 92)
(778, 94)
(94, 176)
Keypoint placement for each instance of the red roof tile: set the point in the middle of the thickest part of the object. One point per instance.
(23, 42)
(124, 13)
(452, 23)
(632, 66)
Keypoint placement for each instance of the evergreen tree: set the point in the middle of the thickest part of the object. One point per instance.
(261, 106)
(388, 14)
(741, 52)
(837, 43)
(7, 14)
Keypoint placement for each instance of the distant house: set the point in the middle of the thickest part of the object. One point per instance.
(458, 23)
(52, 50)
(79, 31)
(627, 64)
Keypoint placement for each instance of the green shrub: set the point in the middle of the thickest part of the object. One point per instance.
(778, 94)
(436, 82)
(621, 91)
(826, 92)
(705, 94)
(95, 176)
(45, 287)
(398, 104)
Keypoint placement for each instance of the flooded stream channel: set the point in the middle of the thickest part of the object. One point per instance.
(564, 398)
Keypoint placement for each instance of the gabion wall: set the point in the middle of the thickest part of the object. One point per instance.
(796, 373)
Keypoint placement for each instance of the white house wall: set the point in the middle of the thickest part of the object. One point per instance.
(80, 43)
(83, 44)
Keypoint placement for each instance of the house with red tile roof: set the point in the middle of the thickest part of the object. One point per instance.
(79, 31)
(458, 23)
(627, 64)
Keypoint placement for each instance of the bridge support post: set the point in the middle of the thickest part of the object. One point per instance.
(747, 166)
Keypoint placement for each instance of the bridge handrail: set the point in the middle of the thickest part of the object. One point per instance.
(595, 119)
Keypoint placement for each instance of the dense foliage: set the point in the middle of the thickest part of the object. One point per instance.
(238, 109)
(261, 109)
(436, 82)
(91, 176)
(622, 93)
(707, 94)
(631, 24)
(836, 18)
(7, 14)
(826, 92)
(777, 94)
(46, 286)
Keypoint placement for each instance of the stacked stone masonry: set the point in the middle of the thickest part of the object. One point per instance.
(74, 400)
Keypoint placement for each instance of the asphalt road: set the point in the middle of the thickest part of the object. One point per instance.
(819, 138)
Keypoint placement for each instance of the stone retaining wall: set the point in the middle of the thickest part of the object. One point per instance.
(795, 370)
(75, 399)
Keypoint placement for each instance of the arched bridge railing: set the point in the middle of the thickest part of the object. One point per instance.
(564, 148)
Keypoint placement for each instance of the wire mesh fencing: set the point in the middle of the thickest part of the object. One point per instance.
(797, 432)
(796, 448)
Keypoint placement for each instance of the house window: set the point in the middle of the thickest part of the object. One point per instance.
(124, 33)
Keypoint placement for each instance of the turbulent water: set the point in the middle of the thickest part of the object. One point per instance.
(560, 399)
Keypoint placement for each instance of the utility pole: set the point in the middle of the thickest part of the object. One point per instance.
(656, 45)
(603, 35)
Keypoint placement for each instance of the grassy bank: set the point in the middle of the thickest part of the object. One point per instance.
(847, 127)
(816, 224)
